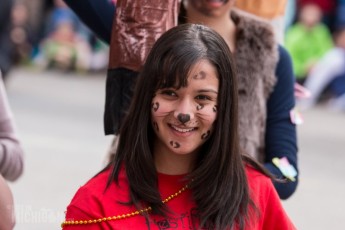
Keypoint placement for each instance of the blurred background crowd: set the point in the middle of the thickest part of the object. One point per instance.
(46, 34)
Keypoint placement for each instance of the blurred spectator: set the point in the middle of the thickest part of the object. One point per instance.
(21, 35)
(66, 46)
(5, 41)
(328, 73)
(11, 153)
(307, 41)
(276, 14)
(327, 7)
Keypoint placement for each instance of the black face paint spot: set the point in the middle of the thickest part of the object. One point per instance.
(155, 125)
(205, 135)
(215, 109)
(200, 76)
(174, 144)
(155, 106)
(183, 118)
(199, 107)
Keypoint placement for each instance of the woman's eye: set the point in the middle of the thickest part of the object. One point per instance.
(203, 97)
(169, 93)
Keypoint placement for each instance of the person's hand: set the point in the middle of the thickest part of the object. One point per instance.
(301, 92)
(7, 220)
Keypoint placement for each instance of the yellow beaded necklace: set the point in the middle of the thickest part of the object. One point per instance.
(123, 216)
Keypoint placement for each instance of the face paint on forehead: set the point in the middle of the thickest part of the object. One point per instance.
(200, 76)
(205, 135)
(155, 106)
(175, 144)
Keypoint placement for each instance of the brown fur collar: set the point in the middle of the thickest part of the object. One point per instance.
(256, 57)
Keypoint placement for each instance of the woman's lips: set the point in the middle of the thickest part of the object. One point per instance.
(185, 131)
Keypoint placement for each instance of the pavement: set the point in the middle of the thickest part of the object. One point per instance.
(59, 119)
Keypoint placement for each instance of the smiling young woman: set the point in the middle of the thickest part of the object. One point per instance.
(267, 128)
(178, 162)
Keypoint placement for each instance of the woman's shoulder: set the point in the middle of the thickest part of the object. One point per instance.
(92, 188)
(267, 201)
(95, 198)
(258, 182)
(97, 189)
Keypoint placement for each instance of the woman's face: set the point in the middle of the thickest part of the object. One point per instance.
(183, 119)
(211, 7)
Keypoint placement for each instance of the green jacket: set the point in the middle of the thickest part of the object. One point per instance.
(307, 46)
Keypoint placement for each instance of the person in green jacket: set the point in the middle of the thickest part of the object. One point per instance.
(307, 41)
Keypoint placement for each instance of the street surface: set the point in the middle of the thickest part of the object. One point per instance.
(60, 122)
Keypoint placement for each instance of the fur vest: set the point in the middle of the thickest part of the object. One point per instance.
(256, 58)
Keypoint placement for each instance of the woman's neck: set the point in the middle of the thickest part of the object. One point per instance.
(170, 163)
(223, 25)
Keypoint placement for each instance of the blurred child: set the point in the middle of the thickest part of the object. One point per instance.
(329, 73)
(66, 46)
(307, 41)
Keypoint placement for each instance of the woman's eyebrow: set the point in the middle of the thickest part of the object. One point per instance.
(207, 91)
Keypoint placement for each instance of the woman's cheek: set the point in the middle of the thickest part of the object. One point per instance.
(160, 107)
(159, 110)
(208, 112)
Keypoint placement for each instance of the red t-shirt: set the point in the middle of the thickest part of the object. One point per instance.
(92, 201)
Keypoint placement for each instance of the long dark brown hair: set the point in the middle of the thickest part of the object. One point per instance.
(219, 185)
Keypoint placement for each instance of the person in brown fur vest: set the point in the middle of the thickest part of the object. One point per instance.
(266, 86)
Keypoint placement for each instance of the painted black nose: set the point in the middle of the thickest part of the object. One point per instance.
(183, 118)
